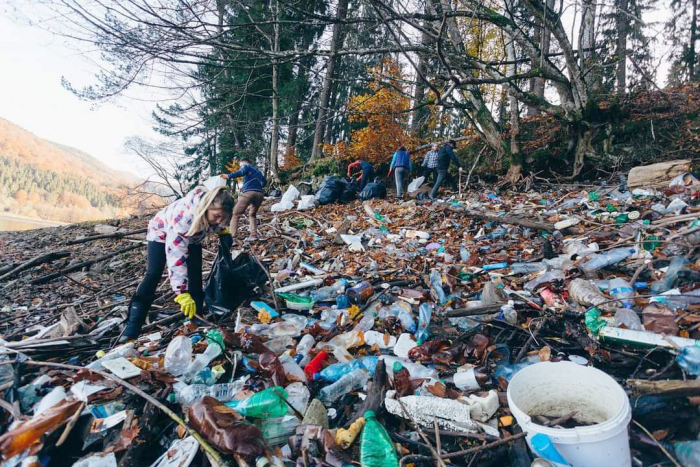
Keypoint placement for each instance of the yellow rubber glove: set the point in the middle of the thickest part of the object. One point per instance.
(224, 232)
(187, 305)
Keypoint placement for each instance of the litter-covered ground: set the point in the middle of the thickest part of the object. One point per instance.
(399, 333)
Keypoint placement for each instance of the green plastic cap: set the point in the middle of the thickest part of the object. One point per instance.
(397, 367)
(370, 415)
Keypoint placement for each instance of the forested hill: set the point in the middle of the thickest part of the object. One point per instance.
(50, 181)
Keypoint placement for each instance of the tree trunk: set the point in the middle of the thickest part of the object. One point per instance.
(419, 91)
(693, 38)
(516, 163)
(296, 113)
(590, 67)
(622, 29)
(537, 85)
(582, 148)
(274, 138)
(328, 81)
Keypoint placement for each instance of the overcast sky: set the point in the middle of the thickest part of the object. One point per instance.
(31, 96)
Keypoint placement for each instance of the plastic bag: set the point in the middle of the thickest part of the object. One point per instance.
(306, 202)
(287, 201)
(415, 184)
(373, 190)
(349, 192)
(330, 190)
(232, 281)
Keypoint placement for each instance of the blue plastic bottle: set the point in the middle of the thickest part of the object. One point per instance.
(544, 448)
(425, 312)
(334, 372)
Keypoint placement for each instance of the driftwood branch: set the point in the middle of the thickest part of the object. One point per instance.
(667, 387)
(100, 237)
(508, 219)
(84, 264)
(36, 261)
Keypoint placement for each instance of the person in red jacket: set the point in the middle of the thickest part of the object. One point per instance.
(366, 174)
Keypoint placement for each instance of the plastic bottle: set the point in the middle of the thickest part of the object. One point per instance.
(666, 283)
(473, 379)
(494, 266)
(688, 452)
(464, 254)
(621, 290)
(436, 283)
(268, 403)
(548, 276)
(315, 365)
(416, 370)
(298, 396)
(689, 360)
(329, 293)
(303, 350)
(279, 344)
(586, 293)
(596, 262)
(202, 360)
(544, 448)
(402, 380)
(527, 268)
(279, 329)
(360, 293)
(367, 322)
(342, 301)
(189, 394)
(404, 315)
(425, 313)
(344, 438)
(352, 381)
(376, 447)
(334, 372)
(346, 340)
(178, 355)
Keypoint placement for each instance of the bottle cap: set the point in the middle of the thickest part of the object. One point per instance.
(397, 367)
(633, 215)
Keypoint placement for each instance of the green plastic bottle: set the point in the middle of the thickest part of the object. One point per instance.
(268, 403)
(376, 447)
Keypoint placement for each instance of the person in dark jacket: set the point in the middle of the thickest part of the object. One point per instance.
(446, 155)
(250, 199)
(401, 166)
(365, 176)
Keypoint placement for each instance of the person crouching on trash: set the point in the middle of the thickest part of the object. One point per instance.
(175, 238)
(366, 172)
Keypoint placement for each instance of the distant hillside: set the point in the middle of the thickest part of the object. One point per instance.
(46, 180)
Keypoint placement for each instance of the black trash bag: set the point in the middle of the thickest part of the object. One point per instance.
(275, 193)
(232, 281)
(349, 191)
(373, 190)
(330, 190)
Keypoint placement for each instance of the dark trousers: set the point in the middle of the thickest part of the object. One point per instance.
(430, 174)
(155, 264)
(441, 176)
(367, 176)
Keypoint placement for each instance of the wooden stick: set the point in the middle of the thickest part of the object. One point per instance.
(666, 387)
(202, 442)
(79, 266)
(36, 261)
(71, 424)
(100, 237)
(507, 219)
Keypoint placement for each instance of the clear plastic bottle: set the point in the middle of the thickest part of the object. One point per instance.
(189, 394)
(376, 447)
(334, 372)
(367, 322)
(178, 356)
(202, 360)
(405, 316)
(329, 293)
(425, 313)
(415, 369)
(352, 381)
(279, 344)
(586, 293)
(541, 279)
(527, 268)
(303, 349)
(688, 452)
(268, 403)
(464, 254)
(621, 290)
(596, 262)
(279, 329)
(347, 340)
(666, 283)
(436, 283)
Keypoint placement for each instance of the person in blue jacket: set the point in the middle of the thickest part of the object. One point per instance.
(250, 199)
(401, 166)
(446, 155)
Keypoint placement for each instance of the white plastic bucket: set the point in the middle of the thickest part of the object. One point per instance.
(557, 389)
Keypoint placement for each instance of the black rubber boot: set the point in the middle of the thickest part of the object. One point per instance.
(137, 316)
